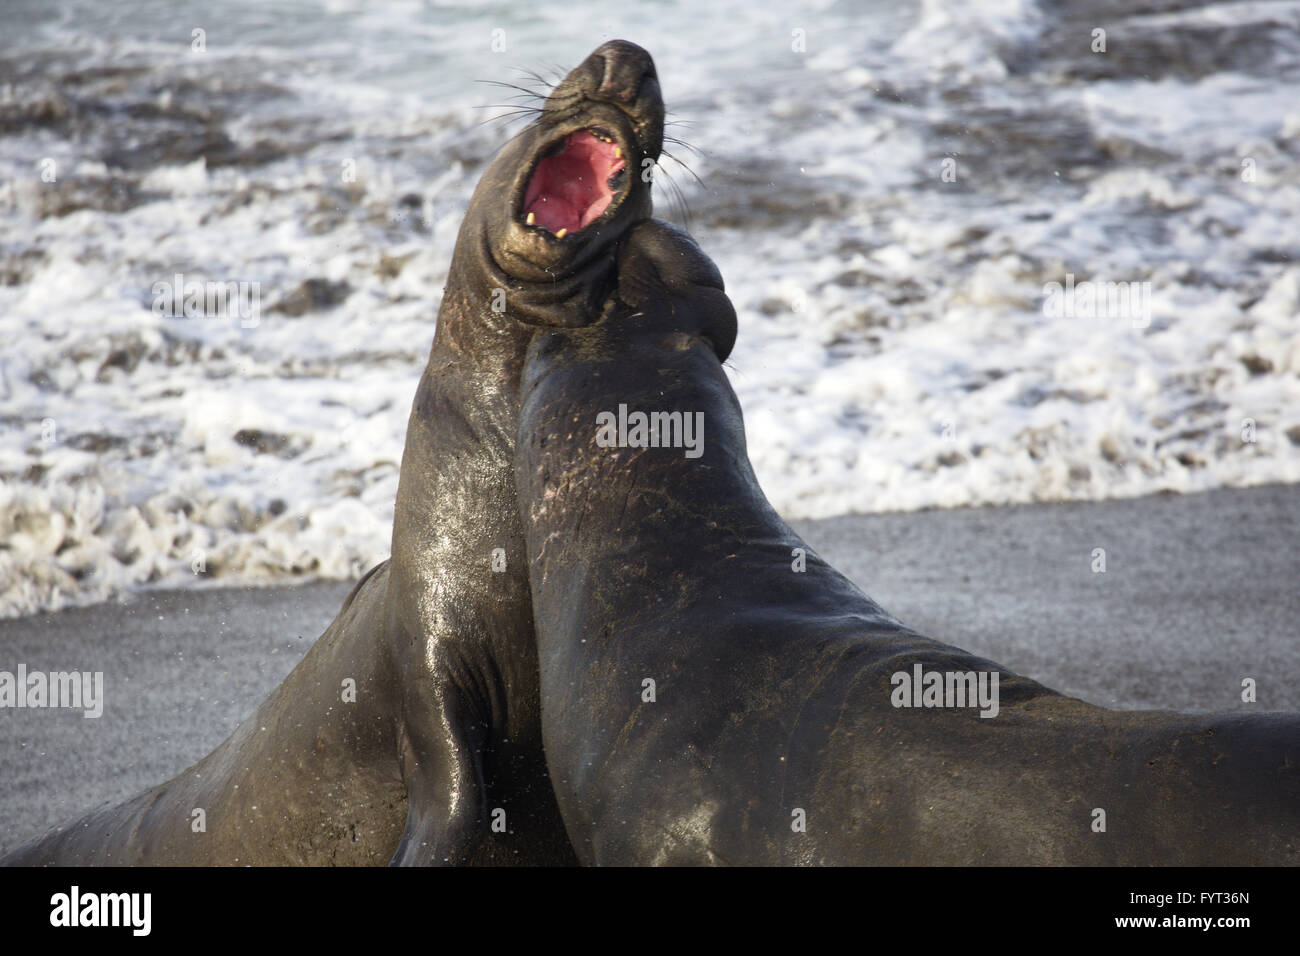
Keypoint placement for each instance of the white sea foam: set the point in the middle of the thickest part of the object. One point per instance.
(894, 350)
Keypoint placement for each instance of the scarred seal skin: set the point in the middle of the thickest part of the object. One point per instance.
(713, 692)
(442, 747)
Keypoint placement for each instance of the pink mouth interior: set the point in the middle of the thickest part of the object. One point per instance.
(571, 189)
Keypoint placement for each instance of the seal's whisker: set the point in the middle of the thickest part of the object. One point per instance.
(677, 198)
(685, 167)
(537, 78)
(531, 94)
(512, 107)
(504, 118)
(682, 143)
(513, 112)
(559, 71)
(512, 104)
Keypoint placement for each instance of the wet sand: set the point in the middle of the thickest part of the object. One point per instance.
(1199, 592)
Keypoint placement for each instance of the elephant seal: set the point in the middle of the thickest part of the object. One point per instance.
(444, 734)
(713, 692)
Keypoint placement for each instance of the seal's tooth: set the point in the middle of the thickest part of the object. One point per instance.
(561, 234)
(531, 219)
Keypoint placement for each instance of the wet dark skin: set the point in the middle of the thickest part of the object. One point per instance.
(445, 728)
(771, 737)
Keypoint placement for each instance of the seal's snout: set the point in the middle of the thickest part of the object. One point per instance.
(624, 68)
(657, 259)
(667, 280)
(622, 75)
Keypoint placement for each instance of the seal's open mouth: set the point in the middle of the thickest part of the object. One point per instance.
(574, 185)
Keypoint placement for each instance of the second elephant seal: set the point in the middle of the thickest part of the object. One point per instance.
(709, 698)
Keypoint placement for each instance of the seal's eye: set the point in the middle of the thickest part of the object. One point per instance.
(571, 188)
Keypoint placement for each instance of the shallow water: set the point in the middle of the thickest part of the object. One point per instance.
(899, 344)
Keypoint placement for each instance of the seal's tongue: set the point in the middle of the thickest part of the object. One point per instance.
(570, 189)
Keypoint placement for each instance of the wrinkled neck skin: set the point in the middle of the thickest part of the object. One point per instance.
(496, 297)
(488, 257)
(478, 351)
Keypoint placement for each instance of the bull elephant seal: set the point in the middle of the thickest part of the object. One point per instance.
(713, 692)
(444, 735)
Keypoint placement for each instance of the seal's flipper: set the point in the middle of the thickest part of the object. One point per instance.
(446, 797)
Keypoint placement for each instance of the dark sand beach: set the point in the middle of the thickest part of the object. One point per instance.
(1199, 592)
